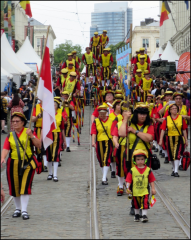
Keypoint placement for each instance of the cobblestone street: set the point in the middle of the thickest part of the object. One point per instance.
(61, 210)
(58, 210)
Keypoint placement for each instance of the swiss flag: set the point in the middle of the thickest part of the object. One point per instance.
(45, 93)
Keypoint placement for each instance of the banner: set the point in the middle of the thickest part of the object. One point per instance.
(6, 17)
(2, 14)
(122, 59)
(13, 21)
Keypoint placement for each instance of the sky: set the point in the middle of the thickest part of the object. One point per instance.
(71, 20)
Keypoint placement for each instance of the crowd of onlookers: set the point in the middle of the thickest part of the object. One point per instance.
(20, 101)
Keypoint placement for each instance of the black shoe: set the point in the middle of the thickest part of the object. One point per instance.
(176, 174)
(50, 177)
(104, 183)
(162, 155)
(25, 216)
(110, 167)
(17, 213)
(45, 169)
(59, 164)
(153, 148)
(55, 179)
(68, 149)
(145, 218)
(166, 160)
(3, 132)
(132, 211)
(136, 218)
(181, 168)
(160, 152)
(172, 174)
(156, 150)
(113, 174)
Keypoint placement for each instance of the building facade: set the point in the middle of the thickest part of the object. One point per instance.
(178, 35)
(115, 17)
(40, 31)
(146, 35)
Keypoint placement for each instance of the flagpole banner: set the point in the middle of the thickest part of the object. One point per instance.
(6, 18)
(122, 59)
(2, 14)
(9, 23)
(45, 93)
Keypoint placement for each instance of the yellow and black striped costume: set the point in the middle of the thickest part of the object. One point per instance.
(104, 145)
(53, 151)
(20, 182)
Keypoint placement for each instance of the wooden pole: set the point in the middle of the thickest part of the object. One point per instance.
(129, 79)
(34, 97)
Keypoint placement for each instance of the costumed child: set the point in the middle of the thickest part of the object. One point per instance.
(139, 179)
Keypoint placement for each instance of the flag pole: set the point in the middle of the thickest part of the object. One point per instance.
(129, 79)
(30, 122)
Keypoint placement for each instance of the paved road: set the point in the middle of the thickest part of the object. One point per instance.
(115, 221)
(61, 210)
(57, 210)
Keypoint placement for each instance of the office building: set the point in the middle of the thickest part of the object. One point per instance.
(115, 17)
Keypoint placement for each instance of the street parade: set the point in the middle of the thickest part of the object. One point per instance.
(100, 141)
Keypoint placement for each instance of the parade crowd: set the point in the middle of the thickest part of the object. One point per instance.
(125, 133)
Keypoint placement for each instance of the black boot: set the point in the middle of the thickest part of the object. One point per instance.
(113, 174)
(68, 149)
(132, 211)
(166, 160)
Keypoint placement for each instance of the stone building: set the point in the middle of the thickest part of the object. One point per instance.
(178, 35)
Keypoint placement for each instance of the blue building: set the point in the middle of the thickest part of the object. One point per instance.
(115, 17)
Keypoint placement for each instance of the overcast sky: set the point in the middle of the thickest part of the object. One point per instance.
(68, 25)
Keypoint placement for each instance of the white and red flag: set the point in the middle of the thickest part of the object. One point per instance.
(45, 93)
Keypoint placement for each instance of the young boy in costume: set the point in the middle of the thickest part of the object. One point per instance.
(139, 177)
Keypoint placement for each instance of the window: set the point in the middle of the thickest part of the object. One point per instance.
(157, 43)
(38, 42)
(145, 41)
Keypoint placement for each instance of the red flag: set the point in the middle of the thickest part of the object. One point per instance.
(45, 93)
(152, 201)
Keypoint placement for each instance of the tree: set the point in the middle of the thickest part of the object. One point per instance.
(61, 51)
(113, 52)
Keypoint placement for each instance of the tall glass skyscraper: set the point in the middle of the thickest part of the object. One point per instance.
(115, 17)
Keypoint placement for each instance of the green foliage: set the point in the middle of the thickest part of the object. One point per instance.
(113, 52)
(61, 51)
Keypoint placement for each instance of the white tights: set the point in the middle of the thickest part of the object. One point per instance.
(21, 202)
(113, 166)
(121, 181)
(55, 168)
(105, 170)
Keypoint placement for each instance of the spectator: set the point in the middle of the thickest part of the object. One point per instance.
(3, 112)
(56, 90)
(28, 100)
(16, 105)
(19, 92)
(171, 87)
(30, 86)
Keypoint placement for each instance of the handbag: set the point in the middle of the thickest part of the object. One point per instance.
(155, 162)
(186, 160)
